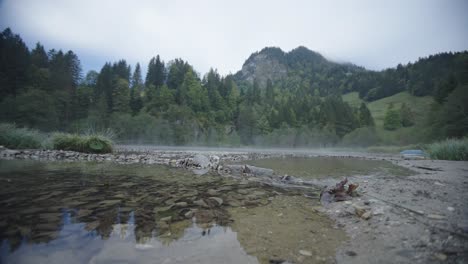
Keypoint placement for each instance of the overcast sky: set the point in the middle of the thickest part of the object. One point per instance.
(222, 34)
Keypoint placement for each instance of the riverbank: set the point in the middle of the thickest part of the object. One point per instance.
(420, 218)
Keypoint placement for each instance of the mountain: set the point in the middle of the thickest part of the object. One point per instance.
(308, 70)
(272, 63)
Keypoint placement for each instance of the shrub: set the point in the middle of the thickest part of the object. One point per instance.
(20, 138)
(449, 149)
(392, 120)
(82, 143)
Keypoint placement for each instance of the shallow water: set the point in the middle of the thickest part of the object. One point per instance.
(106, 213)
(324, 167)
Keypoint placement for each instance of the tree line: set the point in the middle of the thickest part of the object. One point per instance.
(172, 104)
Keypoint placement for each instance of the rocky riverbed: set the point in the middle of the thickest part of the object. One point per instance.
(416, 217)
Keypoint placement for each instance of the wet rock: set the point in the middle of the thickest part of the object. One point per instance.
(212, 192)
(204, 216)
(305, 253)
(47, 226)
(440, 256)
(107, 203)
(257, 171)
(50, 217)
(200, 161)
(188, 214)
(166, 219)
(180, 204)
(201, 203)
(83, 212)
(234, 169)
(218, 200)
(92, 225)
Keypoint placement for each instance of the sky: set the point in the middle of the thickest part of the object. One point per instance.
(220, 34)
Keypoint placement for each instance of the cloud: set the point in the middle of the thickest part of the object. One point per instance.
(222, 34)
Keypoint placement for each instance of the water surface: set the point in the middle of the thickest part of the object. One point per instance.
(324, 167)
(60, 212)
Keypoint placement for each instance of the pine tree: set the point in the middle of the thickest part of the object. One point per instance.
(14, 63)
(156, 74)
(137, 81)
(392, 120)
(121, 96)
(365, 116)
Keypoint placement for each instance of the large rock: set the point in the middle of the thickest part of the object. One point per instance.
(201, 161)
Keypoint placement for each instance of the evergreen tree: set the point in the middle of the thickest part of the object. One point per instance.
(122, 70)
(156, 74)
(406, 115)
(392, 119)
(39, 57)
(121, 96)
(269, 94)
(137, 81)
(14, 63)
(445, 88)
(365, 116)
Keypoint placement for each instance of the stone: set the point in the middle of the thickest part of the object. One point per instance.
(200, 161)
(351, 253)
(440, 256)
(367, 215)
(166, 219)
(435, 217)
(181, 204)
(201, 203)
(218, 200)
(188, 214)
(359, 210)
(212, 192)
(92, 225)
(305, 253)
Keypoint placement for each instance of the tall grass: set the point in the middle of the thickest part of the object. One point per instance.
(450, 149)
(20, 138)
(92, 143)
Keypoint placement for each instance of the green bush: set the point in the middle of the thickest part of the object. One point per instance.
(392, 120)
(20, 138)
(82, 143)
(449, 149)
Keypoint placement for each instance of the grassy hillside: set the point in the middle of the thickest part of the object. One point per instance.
(406, 135)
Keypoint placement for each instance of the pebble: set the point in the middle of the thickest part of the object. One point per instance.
(367, 215)
(166, 219)
(305, 253)
(218, 200)
(451, 209)
(435, 217)
(440, 256)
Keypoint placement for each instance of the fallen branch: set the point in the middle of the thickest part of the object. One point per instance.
(428, 168)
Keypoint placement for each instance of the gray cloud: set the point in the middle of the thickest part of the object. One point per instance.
(222, 34)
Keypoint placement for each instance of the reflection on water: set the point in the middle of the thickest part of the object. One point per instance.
(107, 213)
(322, 167)
(75, 244)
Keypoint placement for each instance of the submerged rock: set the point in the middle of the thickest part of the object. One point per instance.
(218, 200)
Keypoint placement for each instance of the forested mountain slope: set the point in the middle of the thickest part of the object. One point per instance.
(291, 99)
